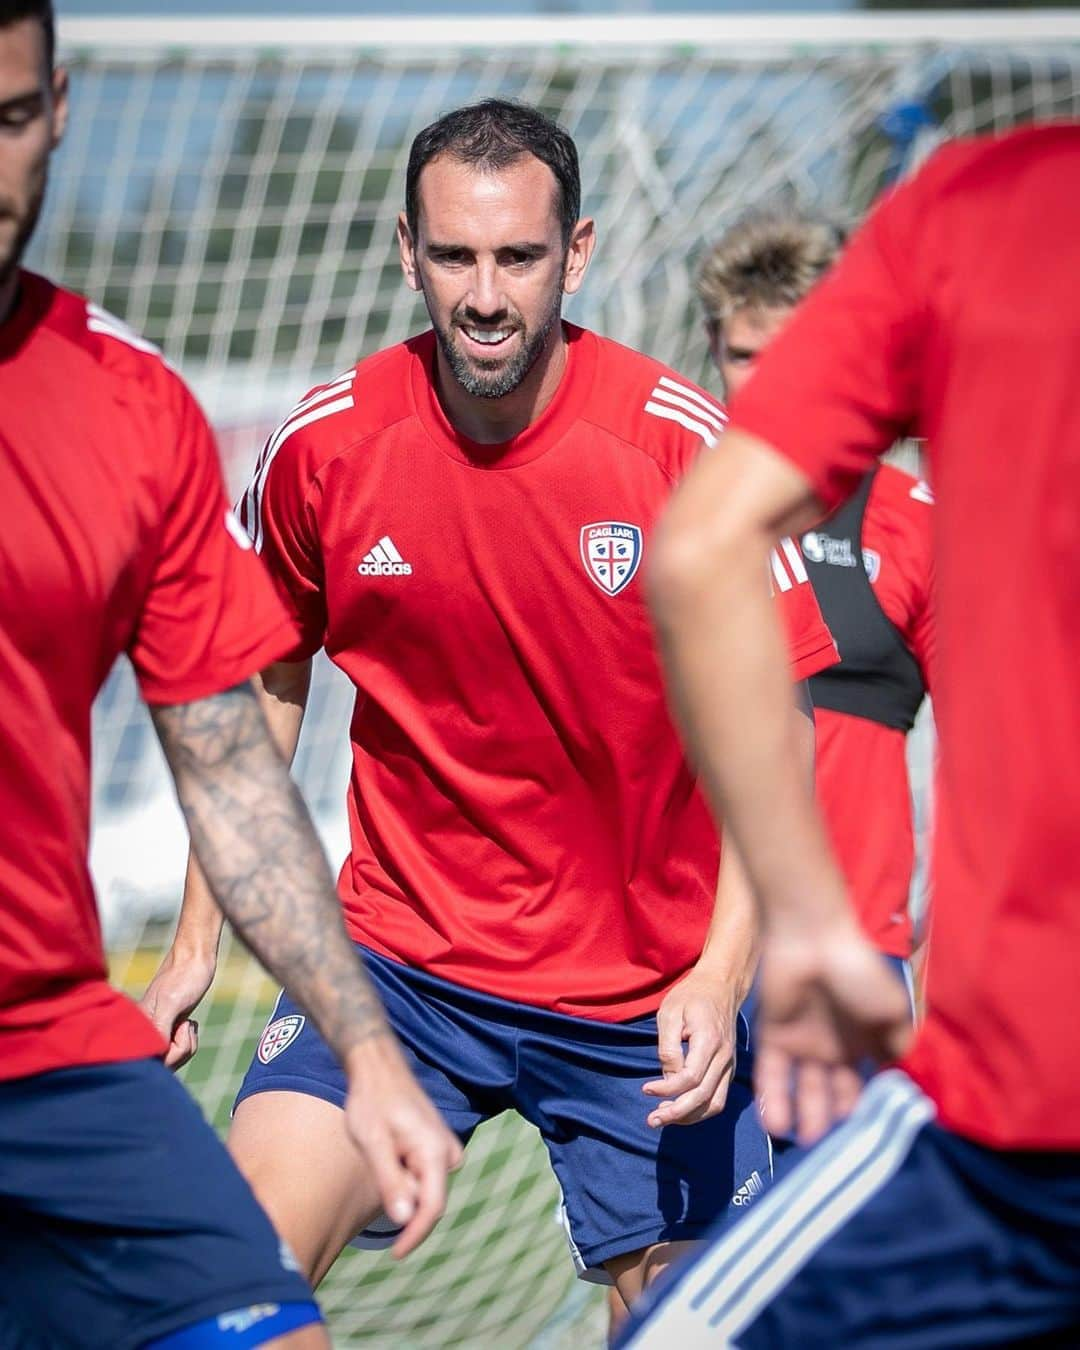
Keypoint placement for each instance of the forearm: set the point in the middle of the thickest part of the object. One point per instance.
(731, 944)
(282, 691)
(728, 672)
(263, 861)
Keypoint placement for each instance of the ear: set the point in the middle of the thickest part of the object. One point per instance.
(59, 84)
(578, 253)
(714, 332)
(407, 253)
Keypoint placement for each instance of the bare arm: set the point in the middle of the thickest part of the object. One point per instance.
(826, 997)
(702, 1009)
(187, 969)
(263, 861)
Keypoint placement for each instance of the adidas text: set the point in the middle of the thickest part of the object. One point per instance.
(385, 569)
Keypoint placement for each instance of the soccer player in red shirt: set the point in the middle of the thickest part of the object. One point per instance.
(123, 1222)
(460, 521)
(870, 563)
(946, 1209)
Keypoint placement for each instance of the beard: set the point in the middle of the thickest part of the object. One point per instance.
(497, 378)
(11, 255)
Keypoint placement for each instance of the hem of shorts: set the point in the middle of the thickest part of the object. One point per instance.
(593, 1258)
(167, 1324)
(308, 1087)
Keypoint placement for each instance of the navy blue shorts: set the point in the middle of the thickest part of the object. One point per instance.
(578, 1081)
(122, 1217)
(892, 1234)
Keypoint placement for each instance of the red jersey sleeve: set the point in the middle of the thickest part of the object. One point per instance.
(839, 385)
(279, 516)
(209, 618)
(810, 644)
(899, 553)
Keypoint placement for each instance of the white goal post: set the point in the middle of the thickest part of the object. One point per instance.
(230, 186)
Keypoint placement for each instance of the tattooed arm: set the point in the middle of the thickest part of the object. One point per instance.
(188, 967)
(262, 859)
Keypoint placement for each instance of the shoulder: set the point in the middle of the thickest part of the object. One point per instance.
(651, 406)
(898, 525)
(353, 407)
(88, 341)
(897, 494)
(967, 177)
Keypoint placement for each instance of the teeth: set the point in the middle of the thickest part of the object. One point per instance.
(486, 337)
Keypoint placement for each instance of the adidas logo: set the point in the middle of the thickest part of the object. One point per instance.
(384, 561)
(749, 1190)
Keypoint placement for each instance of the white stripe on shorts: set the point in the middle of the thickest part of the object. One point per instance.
(729, 1287)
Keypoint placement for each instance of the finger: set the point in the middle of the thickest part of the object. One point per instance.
(183, 1046)
(428, 1168)
(846, 1089)
(396, 1186)
(669, 1029)
(699, 1101)
(704, 1045)
(813, 1100)
(772, 1084)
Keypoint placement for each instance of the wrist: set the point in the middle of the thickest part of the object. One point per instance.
(194, 950)
(371, 1052)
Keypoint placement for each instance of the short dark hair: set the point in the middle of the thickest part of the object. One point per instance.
(493, 135)
(14, 11)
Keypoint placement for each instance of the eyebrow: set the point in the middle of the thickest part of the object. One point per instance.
(31, 98)
(532, 250)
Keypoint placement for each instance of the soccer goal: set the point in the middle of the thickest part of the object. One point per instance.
(230, 188)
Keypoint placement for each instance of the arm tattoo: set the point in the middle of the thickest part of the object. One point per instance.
(255, 842)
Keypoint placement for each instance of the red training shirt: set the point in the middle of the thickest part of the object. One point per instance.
(861, 770)
(948, 317)
(522, 818)
(115, 541)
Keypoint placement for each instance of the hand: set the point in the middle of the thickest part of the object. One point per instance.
(700, 1010)
(407, 1144)
(172, 996)
(828, 1002)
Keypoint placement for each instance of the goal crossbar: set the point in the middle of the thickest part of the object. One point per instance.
(735, 33)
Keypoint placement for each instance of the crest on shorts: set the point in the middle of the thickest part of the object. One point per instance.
(279, 1035)
(611, 551)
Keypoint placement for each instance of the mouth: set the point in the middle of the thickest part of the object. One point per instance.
(487, 342)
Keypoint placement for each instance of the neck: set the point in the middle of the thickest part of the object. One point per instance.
(9, 293)
(490, 421)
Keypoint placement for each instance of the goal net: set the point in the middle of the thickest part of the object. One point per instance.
(230, 188)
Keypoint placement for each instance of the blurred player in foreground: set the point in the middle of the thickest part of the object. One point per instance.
(459, 521)
(870, 564)
(957, 1174)
(123, 1222)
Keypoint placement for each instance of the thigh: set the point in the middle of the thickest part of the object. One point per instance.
(627, 1187)
(892, 1234)
(121, 1216)
(288, 1134)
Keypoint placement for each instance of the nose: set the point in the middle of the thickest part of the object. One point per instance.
(485, 298)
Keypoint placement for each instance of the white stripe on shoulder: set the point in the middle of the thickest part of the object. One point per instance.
(779, 571)
(314, 411)
(695, 396)
(674, 415)
(795, 560)
(677, 401)
(99, 320)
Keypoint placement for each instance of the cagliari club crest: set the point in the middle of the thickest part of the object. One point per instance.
(611, 552)
(279, 1035)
